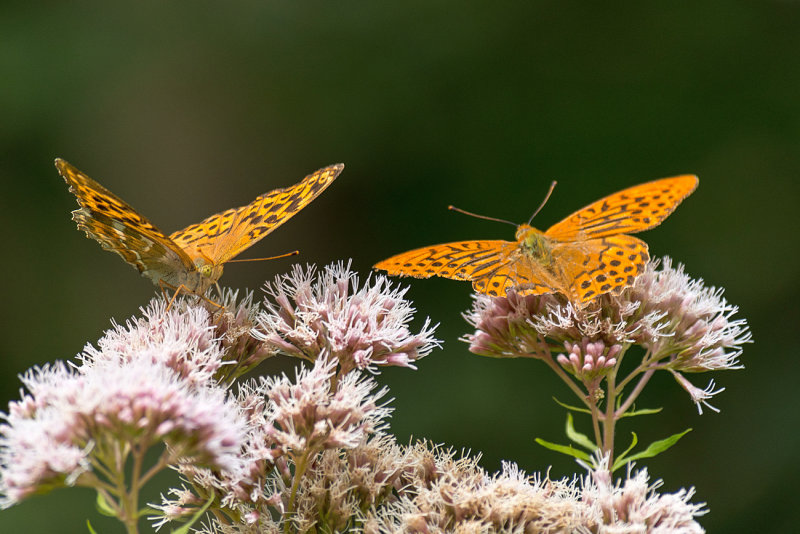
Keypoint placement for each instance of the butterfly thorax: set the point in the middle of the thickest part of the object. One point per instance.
(534, 244)
(196, 280)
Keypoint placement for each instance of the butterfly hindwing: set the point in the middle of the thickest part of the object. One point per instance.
(224, 235)
(153, 258)
(631, 210)
(597, 266)
(522, 273)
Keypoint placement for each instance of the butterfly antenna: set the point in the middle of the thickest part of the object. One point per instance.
(459, 210)
(292, 253)
(546, 198)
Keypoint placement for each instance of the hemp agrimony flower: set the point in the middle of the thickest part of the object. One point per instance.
(148, 383)
(234, 324)
(307, 313)
(633, 505)
(312, 452)
(380, 487)
(290, 425)
(682, 325)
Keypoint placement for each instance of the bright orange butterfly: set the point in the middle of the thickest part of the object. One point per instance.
(190, 259)
(583, 256)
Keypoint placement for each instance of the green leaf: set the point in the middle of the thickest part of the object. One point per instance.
(89, 526)
(577, 437)
(643, 411)
(655, 448)
(564, 449)
(103, 507)
(196, 517)
(572, 408)
(621, 457)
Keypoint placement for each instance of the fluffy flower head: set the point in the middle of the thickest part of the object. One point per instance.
(147, 383)
(362, 327)
(313, 413)
(135, 401)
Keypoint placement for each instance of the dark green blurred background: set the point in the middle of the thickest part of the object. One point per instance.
(188, 108)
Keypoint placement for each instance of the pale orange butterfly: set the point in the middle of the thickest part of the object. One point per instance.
(586, 255)
(190, 259)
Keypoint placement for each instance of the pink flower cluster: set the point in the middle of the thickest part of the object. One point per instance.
(148, 382)
(684, 326)
(362, 327)
(589, 357)
(313, 413)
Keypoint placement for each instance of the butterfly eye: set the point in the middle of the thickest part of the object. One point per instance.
(205, 269)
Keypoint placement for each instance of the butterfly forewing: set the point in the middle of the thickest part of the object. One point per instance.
(631, 210)
(464, 260)
(119, 228)
(97, 199)
(224, 235)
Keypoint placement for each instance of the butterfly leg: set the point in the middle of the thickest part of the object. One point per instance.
(164, 285)
(219, 292)
(215, 304)
(182, 288)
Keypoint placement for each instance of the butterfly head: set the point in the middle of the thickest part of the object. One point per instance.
(209, 270)
(526, 232)
(533, 242)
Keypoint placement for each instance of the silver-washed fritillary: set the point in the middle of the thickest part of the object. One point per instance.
(190, 259)
(586, 255)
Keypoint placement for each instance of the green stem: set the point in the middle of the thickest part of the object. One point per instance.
(635, 393)
(609, 422)
(163, 462)
(596, 416)
(130, 497)
(642, 367)
(90, 480)
(300, 468)
(99, 466)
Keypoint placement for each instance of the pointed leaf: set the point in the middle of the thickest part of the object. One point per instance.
(577, 437)
(103, 506)
(572, 408)
(643, 411)
(655, 448)
(621, 457)
(564, 449)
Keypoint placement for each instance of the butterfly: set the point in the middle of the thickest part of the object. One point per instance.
(586, 255)
(190, 259)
